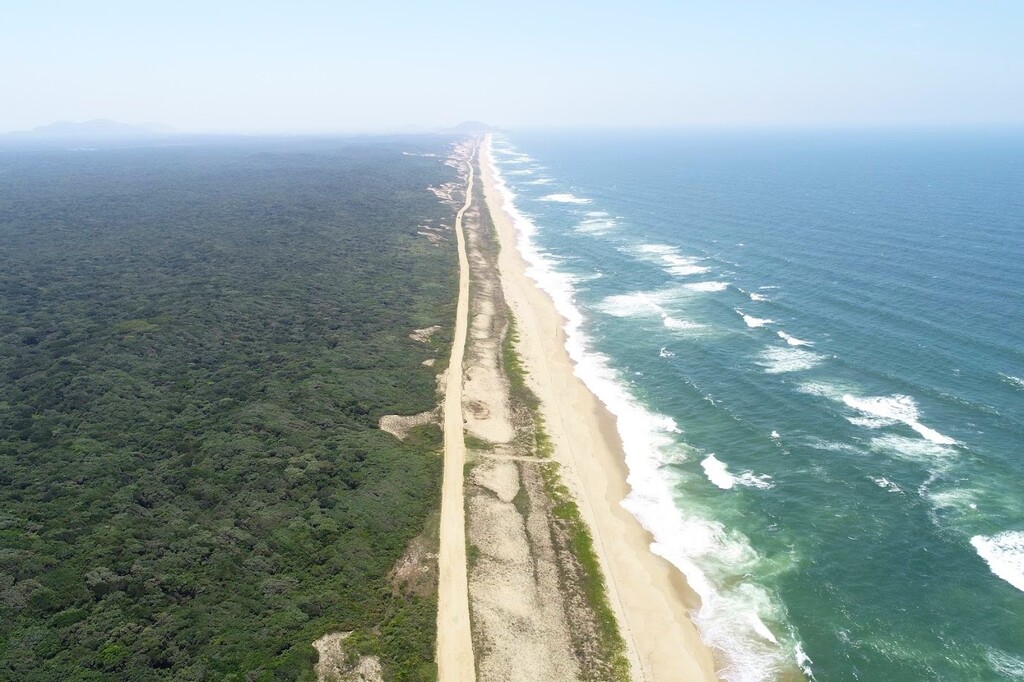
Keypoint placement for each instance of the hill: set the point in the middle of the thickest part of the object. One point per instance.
(98, 129)
(471, 128)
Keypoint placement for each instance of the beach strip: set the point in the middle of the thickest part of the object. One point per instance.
(650, 597)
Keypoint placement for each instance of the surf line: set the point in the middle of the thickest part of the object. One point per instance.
(454, 639)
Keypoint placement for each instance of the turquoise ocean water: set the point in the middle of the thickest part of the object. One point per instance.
(814, 345)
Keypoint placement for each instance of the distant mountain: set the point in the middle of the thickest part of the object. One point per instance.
(472, 127)
(97, 129)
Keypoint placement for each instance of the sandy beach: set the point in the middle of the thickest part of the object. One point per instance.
(650, 597)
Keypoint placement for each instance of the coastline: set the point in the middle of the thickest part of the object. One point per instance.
(650, 597)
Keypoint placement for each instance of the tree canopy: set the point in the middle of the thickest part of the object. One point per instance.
(197, 343)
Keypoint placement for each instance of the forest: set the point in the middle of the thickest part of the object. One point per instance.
(196, 344)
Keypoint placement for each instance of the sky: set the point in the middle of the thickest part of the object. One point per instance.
(376, 66)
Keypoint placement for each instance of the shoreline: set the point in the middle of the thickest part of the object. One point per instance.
(650, 597)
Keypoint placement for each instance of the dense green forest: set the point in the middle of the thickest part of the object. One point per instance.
(197, 343)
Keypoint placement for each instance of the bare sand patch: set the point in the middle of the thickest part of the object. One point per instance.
(335, 665)
(485, 389)
(399, 426)
(416, 570)
(520, 627)
(423, 335)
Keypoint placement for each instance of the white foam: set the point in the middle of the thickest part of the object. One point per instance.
(706, 286)
(754, 296)
(961, 500)
(803, 661)
(833, 446)
(823, 390)
(886, 484)
(1004, 554)
(639, 303)
(693, 545)
(653, 301)
(775, 435)
(870, 422)
(669, 258)
(913, 449)
(539, 181)
(679, 325)
(683, 267)
(792, 340)
(524, 171)
(1007, 665)
(666, 353)
(879, 411)
(1012, 380)
(656, 249)
(780, 360)
(718, 473)
(761, 629)
(597, 225)
(751, 321)
(886, 410)
(648, 304)
(506, 151)
(565, 198)
(763, 658)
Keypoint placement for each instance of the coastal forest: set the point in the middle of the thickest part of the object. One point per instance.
(196, 344)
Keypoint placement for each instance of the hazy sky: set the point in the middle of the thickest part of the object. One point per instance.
(374, 65)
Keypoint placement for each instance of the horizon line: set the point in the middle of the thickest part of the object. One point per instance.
(170, 131)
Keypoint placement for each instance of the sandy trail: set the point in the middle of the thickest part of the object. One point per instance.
(454, 640)
(649, 596)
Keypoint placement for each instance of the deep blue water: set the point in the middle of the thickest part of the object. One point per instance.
(815, 345)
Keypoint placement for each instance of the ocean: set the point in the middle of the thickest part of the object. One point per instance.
(814, 346)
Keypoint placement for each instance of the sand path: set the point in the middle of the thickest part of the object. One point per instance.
(454, 640)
